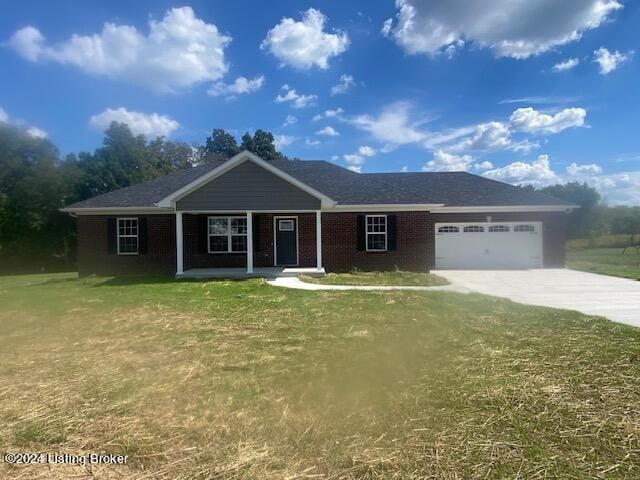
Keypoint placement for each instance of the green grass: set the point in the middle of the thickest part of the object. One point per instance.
(607, 261)
(603, 241)
(201, 380)
(378, 278)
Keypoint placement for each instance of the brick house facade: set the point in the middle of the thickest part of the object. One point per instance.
(163, 227)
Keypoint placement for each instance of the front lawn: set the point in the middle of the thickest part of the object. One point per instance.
(239, 379)
(378, 278)
(608, 261)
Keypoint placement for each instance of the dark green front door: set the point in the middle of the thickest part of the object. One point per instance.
(286, 241)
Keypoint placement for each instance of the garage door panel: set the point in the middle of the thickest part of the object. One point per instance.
(495, 245)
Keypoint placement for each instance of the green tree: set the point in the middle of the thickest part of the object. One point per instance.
(262, 144)
(220, 145)
(582, 222)
(33, 232)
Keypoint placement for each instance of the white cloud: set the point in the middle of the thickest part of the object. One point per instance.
(353, 159)
(447, 162)
(296, 100)
(336, 113)
(616, 188)
(486, 136)
(238, 87)
(305, 44)
(152, 125)
(312, 142)
(609, 61)
(37, 132)
(181, 50)
(335, 158)
(544, 100)
(394, 125)
(404, 169)
(356, 160)
(575, 169)
(511, 28)
(532, 121)
(283, 140)
(537, 173)
(486, 165)
(386, 27)
(328, 132)
(346, 82)
(28, 42)
(290, 120)
(565, 65)
(366, 151)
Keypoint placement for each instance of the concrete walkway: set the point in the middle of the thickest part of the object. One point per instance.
(618, 299)
(292, 282)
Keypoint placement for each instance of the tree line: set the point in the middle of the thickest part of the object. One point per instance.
(594, 218)
(36, 181)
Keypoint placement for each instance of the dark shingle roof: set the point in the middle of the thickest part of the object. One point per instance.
(346, 187)
(457, 189)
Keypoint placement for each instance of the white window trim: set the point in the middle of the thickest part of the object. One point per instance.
(367, 233)
(228, 235)
(136, 236)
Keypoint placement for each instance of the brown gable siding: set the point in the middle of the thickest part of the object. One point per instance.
(248, 187)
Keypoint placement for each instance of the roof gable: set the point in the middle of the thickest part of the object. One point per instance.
(170, 200)
(247, 186)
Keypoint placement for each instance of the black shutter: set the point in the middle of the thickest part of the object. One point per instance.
(256, 233)
(112, 236)
(203, 233)
(362, 233)
(142, 236)
(391, 232)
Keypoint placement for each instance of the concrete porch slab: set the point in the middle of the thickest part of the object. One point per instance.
(262, 272)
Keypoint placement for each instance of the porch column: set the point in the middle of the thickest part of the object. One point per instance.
(249, 242)
(318, 239)
(179, 248)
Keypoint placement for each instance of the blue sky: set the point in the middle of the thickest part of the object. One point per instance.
(529, 91)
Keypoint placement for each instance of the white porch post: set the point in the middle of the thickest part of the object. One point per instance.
(179, 248)
(249, 242)
(318, 239)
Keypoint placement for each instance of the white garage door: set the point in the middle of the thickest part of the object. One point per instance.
(495, 245)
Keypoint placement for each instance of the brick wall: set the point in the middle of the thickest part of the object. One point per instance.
(554, 231)
(340, 252)
(93, 256)
(415, 249)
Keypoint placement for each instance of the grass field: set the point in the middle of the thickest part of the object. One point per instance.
(378, 278)
(608, 261)
(203, 380)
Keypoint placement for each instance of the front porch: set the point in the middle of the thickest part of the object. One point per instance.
(258, 272)
(215, 244)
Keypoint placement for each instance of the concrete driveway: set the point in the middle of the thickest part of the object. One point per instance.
(618, 299)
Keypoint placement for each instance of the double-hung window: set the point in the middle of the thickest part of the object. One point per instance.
(128, 236)
(227, 234)
(376, 233)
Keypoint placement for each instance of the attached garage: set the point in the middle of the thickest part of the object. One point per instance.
(483, 245)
